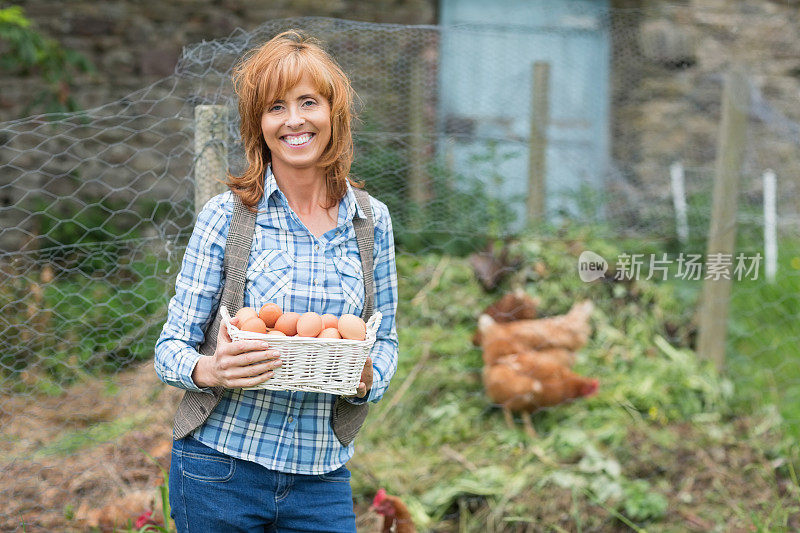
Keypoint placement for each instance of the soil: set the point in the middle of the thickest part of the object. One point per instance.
(106, 485)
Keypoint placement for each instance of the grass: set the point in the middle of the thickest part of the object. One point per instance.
(73, 441)
(83, 323)
(437, 441)
(763, 348)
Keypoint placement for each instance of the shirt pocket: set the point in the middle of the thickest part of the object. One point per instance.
(269, 275)
(351, 280)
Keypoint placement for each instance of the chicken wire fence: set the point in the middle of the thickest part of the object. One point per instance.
(97, 205)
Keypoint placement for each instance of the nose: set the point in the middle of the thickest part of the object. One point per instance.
(295, 119)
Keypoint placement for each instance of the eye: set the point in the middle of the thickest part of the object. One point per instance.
(275, 107)
(309, 102)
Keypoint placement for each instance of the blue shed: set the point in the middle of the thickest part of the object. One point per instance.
(488, 49)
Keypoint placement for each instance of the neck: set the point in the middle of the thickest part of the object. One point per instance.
(304, 189)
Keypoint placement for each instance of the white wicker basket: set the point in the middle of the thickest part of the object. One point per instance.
(315, 365)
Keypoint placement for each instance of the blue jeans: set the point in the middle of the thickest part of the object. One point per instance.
(211, 492)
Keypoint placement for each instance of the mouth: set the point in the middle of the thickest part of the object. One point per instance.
(297, 141)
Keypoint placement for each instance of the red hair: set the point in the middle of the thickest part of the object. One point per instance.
(265, 75)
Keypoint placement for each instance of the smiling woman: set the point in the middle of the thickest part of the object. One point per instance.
(314, 232)
(272, 118)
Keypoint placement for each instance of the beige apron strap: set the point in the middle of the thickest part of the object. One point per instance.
(347, 418)
(195, 407)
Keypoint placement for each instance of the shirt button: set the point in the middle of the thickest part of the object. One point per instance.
(316, 247)
(291, 419)
(316, 281)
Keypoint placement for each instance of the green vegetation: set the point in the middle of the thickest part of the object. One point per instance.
(457, 220)
(78, 324)
(72, 441)
(618, 458)
(27, 52)
(763, 348)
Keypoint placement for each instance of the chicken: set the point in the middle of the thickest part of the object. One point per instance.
(517, 305)
(396, 517)
(512, 306)
(570, 332)
(528, 381)
(491, 267)
(561, 355)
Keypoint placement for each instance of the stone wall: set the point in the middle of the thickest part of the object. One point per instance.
(133, 43)
(668, 62)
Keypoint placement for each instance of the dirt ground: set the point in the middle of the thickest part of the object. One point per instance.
(47, 486)
(103, 486)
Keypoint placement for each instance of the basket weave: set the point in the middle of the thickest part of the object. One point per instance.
(313, 365)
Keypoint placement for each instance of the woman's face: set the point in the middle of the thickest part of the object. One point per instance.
(297, 127)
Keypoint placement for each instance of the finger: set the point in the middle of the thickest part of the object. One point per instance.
(245, 346)
(251, 381)
(362, 390)
(245, 372)
(249, 358)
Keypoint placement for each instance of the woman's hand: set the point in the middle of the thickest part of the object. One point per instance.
(366, 379)
(236, 364)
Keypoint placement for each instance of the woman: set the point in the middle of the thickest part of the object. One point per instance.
(270, 460)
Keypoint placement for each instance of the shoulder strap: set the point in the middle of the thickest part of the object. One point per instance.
(237, 254)
(347, 418)
(195, 407)
(365, 235)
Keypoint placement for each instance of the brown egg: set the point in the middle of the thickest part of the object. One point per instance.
(287, 323)
(352, 327)
(255, 324)
(245, 314)
(270, 313)
(277, 332)
(329, 321)
(329, 333)
(309, 324)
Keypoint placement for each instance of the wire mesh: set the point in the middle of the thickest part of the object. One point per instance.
(96, 206)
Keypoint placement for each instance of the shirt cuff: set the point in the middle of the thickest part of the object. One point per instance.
(186, 381)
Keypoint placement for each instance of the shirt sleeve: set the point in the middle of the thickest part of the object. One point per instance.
(385, 350)
(198, 289)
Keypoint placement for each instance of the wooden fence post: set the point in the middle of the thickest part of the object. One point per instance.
(537, 151)
(722, 234)
(211, 153)
(419, 183)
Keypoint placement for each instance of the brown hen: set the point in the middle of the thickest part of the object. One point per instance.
(527, 381)
(396, 517)
(517, 305)
(569, 332)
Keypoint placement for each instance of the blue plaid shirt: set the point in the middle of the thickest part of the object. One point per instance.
(286, 431)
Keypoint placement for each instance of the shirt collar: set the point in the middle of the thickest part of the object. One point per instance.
(270, 185)
(351, 207)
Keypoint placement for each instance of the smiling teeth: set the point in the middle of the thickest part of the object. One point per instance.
(298, 139)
